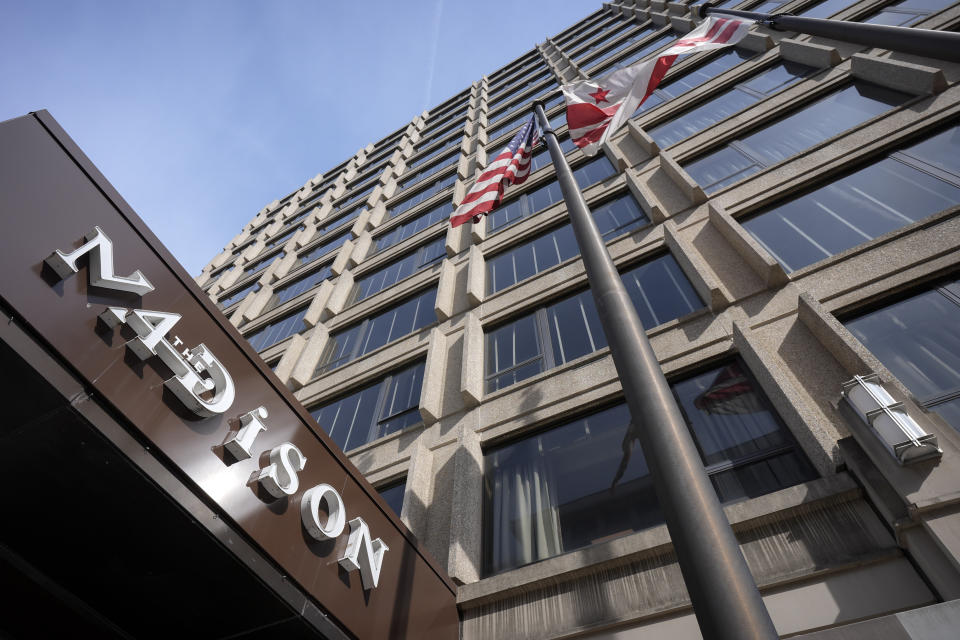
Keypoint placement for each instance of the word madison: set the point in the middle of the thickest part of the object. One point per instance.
(205, 387)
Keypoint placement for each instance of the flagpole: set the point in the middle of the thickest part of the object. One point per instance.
(724, 596)
(943, 45)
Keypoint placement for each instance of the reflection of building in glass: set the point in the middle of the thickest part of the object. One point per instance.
(785, 217)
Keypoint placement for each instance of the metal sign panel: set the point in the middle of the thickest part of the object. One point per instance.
(54, 199)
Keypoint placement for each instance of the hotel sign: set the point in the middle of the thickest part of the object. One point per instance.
(146, 340)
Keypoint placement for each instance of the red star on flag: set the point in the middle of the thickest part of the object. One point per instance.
(599, 95)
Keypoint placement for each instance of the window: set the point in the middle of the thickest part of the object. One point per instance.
(793, 134)
(219, 271)
(374, 332)
(634, 56)
(382, 153)
(826, 9)
(499, 129)
(261, 264)
(599, 43)
(401, 268)
(529, 203)
(231, 299)
(413, 177)
(738, 98)
(416, 225)
(374, 412)
(278, 330)
(436, 133)
(581, 59)
(556, 246)
(452, 142)
(392, 494)
(696, 77)
(324, 248)
(294, 220)
(573, 485)
(503, 95)
(366, 175)
(904, 187)
(566, 330)
(918, 340)
(907, 13)
(300, 285)
(243, 247)
(530, 258)
(282, 239)
(423, 195)
(329, 225)
(542, 158)
(354, 197)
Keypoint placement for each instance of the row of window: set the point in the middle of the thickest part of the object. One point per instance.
(906, 186)
(586, 480)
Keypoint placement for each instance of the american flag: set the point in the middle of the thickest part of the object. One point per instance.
(511, 166)
(597, 108)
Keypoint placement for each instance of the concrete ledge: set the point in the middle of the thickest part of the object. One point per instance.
(312, 317)
(934, 622)
(476, 276)
(289, 358)
(257, 302)
(681, 24)
(682, 179)
(338, 296)
(645, 196)
(696, 270)
(283, 266)
(471, 373)
(915, 79)
(434, 375)
(343, 258)
(658, 17)
(655, 541)
(808, 53)
(769, 270)
(642, 138)
(446, 290)
(309, 358)
(756, 41)
(361, 247)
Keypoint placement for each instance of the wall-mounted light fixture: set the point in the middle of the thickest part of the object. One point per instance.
(903, 437)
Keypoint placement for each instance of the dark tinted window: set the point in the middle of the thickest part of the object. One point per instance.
(375, 411)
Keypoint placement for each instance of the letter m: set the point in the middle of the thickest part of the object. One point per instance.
(363, 554)
(101, 271)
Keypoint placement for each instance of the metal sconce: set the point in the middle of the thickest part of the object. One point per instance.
(903, 437)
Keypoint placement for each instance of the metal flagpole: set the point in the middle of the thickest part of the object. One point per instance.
(943, 45)
(724, 596)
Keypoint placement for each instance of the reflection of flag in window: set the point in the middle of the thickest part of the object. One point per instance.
(731, 393)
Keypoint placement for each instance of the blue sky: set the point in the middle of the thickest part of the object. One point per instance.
(202, 112)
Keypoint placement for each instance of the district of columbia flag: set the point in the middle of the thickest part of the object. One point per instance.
(510, 166)
(596, 109)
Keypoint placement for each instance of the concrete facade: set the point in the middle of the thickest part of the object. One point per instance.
(869, 538)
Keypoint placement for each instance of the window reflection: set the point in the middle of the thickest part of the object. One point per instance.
(586, 481)
(918, 340)
(904, 187)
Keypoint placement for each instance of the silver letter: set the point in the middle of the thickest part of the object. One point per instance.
(101, 271)
(250, 426)
(363, 554)
(310, 512)
(280, 477)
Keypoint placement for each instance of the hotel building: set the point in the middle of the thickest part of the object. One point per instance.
(785, 215)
